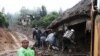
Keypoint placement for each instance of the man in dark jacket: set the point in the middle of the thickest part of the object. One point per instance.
(37, 34)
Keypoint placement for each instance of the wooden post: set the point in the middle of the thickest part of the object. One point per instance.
(92, 15)
(92, 30)
(63, 27)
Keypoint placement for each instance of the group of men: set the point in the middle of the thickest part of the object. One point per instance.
(42, 38)
(51, 38)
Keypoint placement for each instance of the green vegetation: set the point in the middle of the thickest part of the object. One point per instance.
(46, 20)
(39, 17)
(3, 20)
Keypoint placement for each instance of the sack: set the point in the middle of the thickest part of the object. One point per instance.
(68, 34)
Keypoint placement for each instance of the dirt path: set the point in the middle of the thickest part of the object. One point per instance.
(9, 53)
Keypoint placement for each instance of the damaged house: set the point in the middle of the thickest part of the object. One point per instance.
(77, 18)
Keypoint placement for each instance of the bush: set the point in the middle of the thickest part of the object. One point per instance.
(3, 21)
(46, 20)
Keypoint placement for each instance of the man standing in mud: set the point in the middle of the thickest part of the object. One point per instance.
(37, 34)
(25, 50)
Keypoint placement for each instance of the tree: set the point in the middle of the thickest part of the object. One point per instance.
(43, 11)
(9, 18)
(49, 18)
(38, 14)
(46, 20)
(60, 11)
(3, 20)
(24, 11)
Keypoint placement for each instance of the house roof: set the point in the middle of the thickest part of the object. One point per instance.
(77, 14)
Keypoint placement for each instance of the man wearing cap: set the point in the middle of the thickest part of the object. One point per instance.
(25, 50)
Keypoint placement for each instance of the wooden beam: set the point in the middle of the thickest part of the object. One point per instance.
(93, 15)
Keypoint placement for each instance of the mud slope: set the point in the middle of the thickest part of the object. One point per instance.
(8, 40)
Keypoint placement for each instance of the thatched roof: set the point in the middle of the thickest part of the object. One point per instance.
(77, 14)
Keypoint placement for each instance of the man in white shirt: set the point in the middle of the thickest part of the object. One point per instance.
(51, 39)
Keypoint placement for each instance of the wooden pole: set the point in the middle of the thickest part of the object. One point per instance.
(92, 15)
(92, 30)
